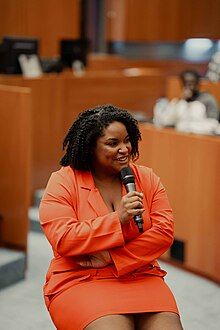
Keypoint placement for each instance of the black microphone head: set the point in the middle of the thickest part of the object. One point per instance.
(127, 175)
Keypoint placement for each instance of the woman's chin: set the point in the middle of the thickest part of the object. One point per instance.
(122, 165)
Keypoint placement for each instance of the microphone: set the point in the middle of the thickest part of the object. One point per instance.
(127, 177)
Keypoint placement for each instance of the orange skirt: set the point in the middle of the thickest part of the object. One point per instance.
(79, 305)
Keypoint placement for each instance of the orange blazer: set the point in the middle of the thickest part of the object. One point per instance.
(77, 222)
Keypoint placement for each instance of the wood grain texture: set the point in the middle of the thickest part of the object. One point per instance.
(48, 20)
(13, 17)
(188, 166)
(15, 146)
(162, 20)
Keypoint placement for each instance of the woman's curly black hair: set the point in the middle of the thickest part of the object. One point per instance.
(88, 127)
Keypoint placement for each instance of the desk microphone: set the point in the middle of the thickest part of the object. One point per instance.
(127, 177)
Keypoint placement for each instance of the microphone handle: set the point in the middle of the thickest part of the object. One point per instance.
(139, 222)
(130, 187)
(137, 218)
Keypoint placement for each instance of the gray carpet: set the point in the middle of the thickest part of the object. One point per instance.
(22, 306)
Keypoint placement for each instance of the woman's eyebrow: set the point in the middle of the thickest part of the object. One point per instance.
(115, 139)
(111, 138)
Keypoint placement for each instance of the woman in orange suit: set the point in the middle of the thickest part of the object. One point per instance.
(104, 274)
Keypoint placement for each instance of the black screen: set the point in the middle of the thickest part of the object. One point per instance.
(11, 48)
(72, 50)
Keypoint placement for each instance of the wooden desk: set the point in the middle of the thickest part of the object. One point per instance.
(15, 109)
(189, 169)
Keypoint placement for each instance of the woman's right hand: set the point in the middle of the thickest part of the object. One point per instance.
(131, 205)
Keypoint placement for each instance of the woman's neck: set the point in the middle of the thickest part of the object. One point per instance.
(103, 178)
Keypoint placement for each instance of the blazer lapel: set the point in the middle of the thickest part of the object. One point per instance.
(94, 197)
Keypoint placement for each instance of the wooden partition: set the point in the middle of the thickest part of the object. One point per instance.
(57, 99)
(189, 169)
(15, 109)
(100, 62)
(173, 87)
(136, 93)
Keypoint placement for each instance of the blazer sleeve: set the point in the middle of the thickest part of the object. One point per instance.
(68, 235)
(153, 242)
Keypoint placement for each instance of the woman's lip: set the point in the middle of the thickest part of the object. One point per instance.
(122, 159)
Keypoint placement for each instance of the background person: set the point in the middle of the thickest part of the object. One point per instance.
(194, 111)
(191, 92)
(104, 274)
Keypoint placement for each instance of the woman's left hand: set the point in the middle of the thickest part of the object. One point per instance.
(96, 260)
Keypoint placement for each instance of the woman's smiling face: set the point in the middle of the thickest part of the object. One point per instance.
(112, 150)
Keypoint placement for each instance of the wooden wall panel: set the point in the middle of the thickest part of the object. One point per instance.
(146, 19)
(12, 17)
(48, 20)
(116, 20)
(52, 20)
(15, 109)
(162, 20)
(188, 167)
(205, 21)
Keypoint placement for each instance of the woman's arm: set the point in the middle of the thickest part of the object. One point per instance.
(149, 245)
(68, 235)
(153, 242)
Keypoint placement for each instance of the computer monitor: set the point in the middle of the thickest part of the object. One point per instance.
(11, 48)
(72, 50)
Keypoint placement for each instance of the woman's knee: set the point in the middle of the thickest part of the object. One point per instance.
(157, 321)
(112, 322)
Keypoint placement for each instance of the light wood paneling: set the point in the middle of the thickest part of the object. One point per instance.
(48, 20)
(51, 21)
(15, 109)
(189, 169)
(13, 17)
(162, 20)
